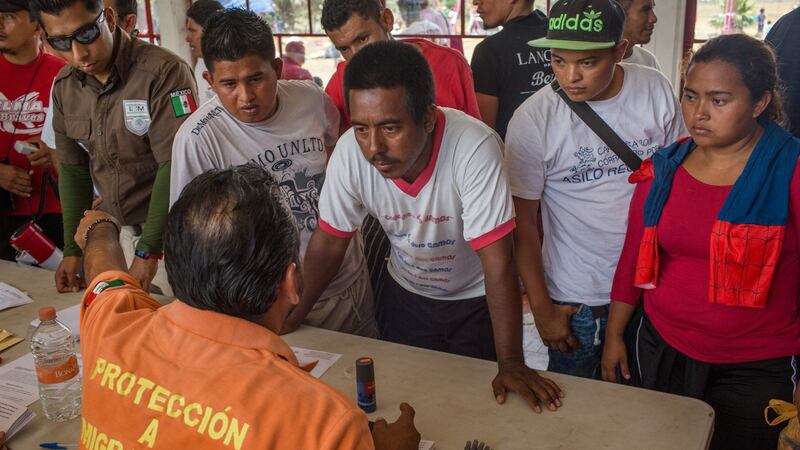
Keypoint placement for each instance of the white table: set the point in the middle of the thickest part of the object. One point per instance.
(451, 394)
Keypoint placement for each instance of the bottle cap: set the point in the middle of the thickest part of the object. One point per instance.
(47, 313)
(365, 369)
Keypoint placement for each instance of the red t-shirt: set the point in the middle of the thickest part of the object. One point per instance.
(452, 79)
(678, 307)
(293, 71)
(25, 92)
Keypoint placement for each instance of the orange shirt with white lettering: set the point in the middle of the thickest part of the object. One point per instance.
(177, 377)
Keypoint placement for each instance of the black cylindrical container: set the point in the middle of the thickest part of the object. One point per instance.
(365, 384)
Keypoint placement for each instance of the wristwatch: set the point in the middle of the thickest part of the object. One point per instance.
(148, 255)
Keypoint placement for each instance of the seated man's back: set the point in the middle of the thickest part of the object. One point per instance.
(181, 377)
(209, 370)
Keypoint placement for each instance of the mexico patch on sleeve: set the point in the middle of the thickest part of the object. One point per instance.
(183, 102)
(100, 287)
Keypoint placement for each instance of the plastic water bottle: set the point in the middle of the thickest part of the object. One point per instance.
(53, 349)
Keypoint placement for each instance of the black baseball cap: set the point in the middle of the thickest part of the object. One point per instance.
(8, 6)
(583, 25)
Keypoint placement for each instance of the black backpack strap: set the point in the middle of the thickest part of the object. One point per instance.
(601, 129)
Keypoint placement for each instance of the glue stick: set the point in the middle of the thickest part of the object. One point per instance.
(365, 384)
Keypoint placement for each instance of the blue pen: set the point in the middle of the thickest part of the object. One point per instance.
(57, 446)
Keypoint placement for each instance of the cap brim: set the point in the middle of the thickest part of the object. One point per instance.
(570, 45)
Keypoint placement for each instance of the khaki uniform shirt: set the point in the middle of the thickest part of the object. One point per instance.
(124, 129)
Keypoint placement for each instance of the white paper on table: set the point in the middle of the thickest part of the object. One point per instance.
(427, 445)
(71, 317)
(324, 359)
(11, 296)
(18, 382)
(13, 416)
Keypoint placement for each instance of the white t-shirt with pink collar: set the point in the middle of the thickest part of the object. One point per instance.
(460, 204)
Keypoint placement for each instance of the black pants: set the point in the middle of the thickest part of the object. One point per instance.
(51, 224)
(737, 392)
(462, 327)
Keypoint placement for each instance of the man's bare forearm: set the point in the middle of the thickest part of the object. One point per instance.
(503, 298)
(528, 251)
(103, 252)
(321, 263)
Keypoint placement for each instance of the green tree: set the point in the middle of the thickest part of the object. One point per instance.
(744, 14)
(284, 9)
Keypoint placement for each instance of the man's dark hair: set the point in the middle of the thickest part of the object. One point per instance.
(336, 13)
(54, 7)
(228, 241)
(390, 64)
(126, 8)
(202, 10)
(232, 34)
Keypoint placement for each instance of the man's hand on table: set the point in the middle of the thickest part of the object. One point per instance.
(400, 435)
(143, 270)
(535, 389)
(68, 275)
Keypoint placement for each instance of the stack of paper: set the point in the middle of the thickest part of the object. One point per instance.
(7, 339)
(13, 416)
(11, 296)
(18, 389)
(18, 382)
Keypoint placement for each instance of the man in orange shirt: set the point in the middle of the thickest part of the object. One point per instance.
(208, 370)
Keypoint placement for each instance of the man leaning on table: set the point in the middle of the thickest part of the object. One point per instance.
(209, 370)
(433, 178)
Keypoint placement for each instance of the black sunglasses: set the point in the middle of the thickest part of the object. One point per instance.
(85, 35)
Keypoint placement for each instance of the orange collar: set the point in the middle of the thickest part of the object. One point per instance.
(227, 329)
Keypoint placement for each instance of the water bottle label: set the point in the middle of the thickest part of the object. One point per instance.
(58, 374)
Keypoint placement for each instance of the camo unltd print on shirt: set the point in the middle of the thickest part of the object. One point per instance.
(290, 144)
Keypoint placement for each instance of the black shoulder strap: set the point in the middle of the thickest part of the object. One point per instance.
(601, 129)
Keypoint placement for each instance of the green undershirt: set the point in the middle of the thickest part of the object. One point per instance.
(75, 186)
(152, 240)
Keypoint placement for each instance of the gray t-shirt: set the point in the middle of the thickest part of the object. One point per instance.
(290, 144)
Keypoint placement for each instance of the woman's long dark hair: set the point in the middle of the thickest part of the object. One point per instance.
(755, 63)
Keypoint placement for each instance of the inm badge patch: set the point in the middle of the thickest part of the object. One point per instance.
(137, 116)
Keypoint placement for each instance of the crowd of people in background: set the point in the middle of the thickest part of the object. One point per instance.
(417, 198)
